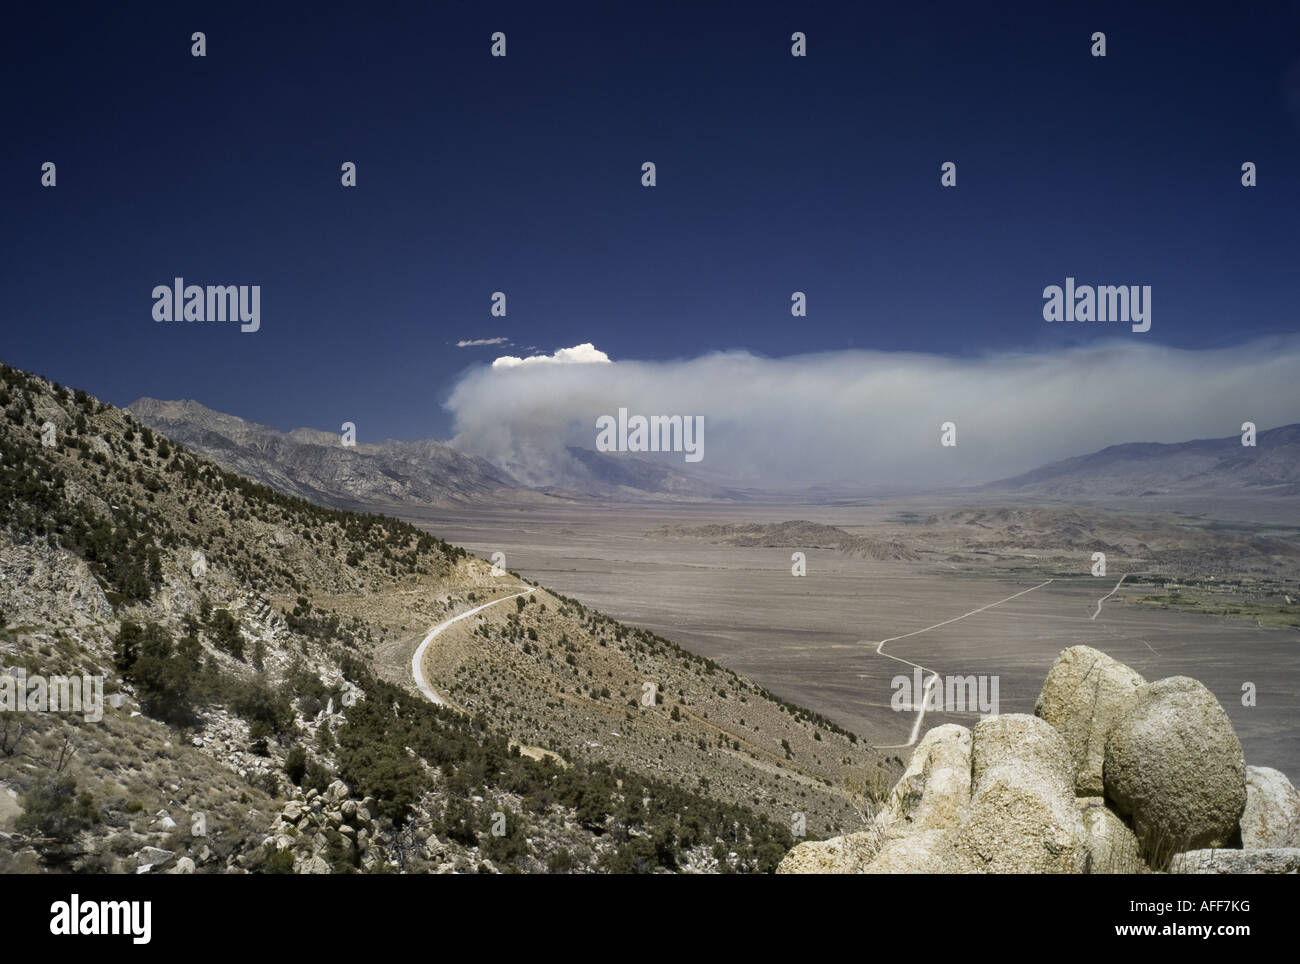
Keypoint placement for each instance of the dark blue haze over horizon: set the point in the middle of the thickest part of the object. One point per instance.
(523, 174)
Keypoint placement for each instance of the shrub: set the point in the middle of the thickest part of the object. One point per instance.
(295, 765)
(266, 708)
(458, 822)
(504, 850)
(165, 674)
(226, 634)
(54, 809)
(280, 862)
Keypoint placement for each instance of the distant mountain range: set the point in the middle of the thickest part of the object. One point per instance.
(317, 466)
(1270, 467)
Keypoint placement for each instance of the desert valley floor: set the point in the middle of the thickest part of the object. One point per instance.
(813, 639)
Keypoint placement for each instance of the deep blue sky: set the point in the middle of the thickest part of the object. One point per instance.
(477, 174)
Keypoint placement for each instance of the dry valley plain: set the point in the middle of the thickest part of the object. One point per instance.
(1212, 599)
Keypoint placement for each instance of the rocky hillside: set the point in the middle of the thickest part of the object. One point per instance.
(319, 467)
(259, 712)
(1111, 774)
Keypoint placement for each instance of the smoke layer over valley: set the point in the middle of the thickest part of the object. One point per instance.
(873, 418)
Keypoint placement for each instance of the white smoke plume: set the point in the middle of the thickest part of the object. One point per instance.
(873, 418)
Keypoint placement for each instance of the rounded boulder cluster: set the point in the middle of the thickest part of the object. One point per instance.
(1111, 774)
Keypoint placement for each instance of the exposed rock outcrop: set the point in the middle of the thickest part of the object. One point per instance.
(1084, 694)
(1272, 814)
(1168, 781)
(1112, 846)
(839, 855)
(1022, 817)
(1011, 810)
(1279, 860)
(936, 786)
(1175, 767)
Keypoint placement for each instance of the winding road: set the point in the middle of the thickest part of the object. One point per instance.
(417, 660)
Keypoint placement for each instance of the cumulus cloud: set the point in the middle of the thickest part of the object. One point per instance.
(584, 354)
(476, 342)
(873, 418)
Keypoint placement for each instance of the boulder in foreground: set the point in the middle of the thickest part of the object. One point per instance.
(1279, 860)
(1175, 768)
(839, 855)
(1272, 814)
(1085, 692)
